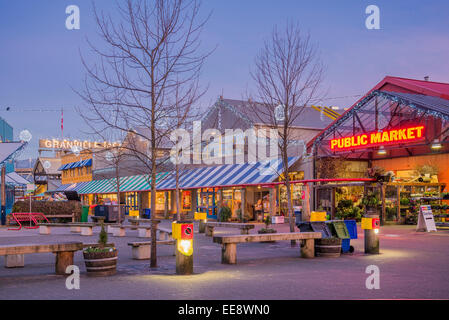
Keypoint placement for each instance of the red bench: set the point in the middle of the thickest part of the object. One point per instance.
(33, 217)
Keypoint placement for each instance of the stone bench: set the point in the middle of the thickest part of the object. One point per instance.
(64, 253)
(119, 230)
(244, 227)
(164, 233)
(229, 243)
(84, 227)
(142, 250)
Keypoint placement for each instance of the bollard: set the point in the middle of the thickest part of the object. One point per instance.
(183, 235)
(202, 226)
(371, 224)
(202, 218)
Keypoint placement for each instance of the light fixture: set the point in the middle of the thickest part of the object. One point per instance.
(381, 151)
(436, 145)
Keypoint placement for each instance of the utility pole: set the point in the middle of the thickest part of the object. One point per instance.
(3, 195)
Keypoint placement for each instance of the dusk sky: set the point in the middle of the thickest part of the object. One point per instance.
(40, 61)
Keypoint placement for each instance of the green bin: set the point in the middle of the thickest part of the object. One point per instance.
(339, 229)
(84, 213)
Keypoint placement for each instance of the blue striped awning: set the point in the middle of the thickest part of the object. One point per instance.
(71, 186)
(226, 175)
(72, 165)
(127, 184)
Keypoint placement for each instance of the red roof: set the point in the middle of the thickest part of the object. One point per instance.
(404, 85)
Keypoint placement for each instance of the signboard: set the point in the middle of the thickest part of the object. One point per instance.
(69, 144)
(381, 138)
(30, 187)
(426, 222)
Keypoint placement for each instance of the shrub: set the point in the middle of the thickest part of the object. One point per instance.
(225, 214)
(50, 208)
(352, 213)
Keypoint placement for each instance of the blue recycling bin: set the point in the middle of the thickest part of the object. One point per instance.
(147, 213)
(298, 218)
(351, 225)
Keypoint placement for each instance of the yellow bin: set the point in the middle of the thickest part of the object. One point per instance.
(200, 215)
(318, 216)
(133, 213)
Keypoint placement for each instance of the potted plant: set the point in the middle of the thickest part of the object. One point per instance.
(101, 260)
(377, 173)
(371, 201)
(224, 214)
(267, 222)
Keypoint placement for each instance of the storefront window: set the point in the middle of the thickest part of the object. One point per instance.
(186, 200)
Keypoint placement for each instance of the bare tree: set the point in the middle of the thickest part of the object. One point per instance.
(287, 74)
(152, 49)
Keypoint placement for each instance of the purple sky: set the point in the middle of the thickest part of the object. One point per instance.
(39, 60)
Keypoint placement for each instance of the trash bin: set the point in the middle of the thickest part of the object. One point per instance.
(351, 225)
(297, 216)
(147, 214)
(84, 213)
(339, 230)
(321, 226)
(304, 226)
(101, 211)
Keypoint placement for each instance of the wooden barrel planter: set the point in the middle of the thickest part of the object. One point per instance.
(329, 248)
(101, 263)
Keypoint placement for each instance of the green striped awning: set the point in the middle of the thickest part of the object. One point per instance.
(127, 184)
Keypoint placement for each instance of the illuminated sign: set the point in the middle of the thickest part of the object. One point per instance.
(69, 144)
(386, 137)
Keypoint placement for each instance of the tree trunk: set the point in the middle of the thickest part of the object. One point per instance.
(178, 207)
(118, 193)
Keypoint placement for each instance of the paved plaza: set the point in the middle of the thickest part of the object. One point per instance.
(412, 265)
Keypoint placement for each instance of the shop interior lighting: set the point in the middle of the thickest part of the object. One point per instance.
(436, 145)
(381, 151)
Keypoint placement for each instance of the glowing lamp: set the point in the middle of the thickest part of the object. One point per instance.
(381, 151)
(436, 145)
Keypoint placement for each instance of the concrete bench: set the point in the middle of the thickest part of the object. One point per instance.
(64, 253)
(229, 243)
(164, 233)
(142, 250)
(84, 227)
(244, 227)
(119, 230)
(97, 219)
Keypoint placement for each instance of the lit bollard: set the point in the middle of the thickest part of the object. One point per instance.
(183, 235)
(371, 224)
(202, 219)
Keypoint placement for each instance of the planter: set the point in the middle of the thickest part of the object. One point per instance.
(329, 248)
(101, 263)
(265, 231)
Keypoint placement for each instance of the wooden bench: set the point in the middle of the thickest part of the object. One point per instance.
(64, 253)
(84, 227)
(244, 227)
(142, 250)
(229, 243)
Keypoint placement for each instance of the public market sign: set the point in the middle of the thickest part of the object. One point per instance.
(69, 144)
(373, 139)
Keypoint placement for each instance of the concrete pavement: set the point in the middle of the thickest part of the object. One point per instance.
(412, 265)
